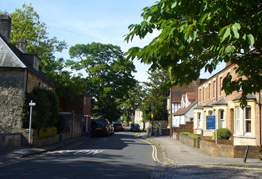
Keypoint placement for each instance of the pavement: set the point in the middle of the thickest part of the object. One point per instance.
(174, 152)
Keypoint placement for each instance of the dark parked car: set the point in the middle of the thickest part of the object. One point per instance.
(118, 127)
(101, 127)
(135, 127)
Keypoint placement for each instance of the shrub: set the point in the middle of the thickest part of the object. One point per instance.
(194, 136)
(45, 113)
(223, 133)
(47, 132)
(208, 138)
(185, 133)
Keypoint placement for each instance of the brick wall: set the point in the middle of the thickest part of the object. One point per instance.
(190, 141)
(216, 150)
(188, 127)
(253, 151)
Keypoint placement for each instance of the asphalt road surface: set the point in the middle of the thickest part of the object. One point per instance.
(121, 155)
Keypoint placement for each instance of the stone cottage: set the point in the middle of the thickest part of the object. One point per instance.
(19, 74)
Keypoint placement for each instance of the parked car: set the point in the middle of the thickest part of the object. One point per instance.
(135, 127)
(118, 127)
(101, 127)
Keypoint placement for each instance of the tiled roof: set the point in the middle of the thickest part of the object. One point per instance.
(222, 101)
(249, 96)
(199, 107)
(19, 54)
(191, 96)
(182, 111)
(209, 104)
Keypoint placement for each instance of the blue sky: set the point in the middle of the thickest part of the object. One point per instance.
(87, 21)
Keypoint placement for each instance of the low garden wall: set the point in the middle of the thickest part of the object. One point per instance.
(223, 148)
(190, 141)
(10, 140)
(36, 142)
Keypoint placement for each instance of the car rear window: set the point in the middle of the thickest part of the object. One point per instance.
(98, 122)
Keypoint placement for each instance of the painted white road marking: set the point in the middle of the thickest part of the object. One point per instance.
(76, 152)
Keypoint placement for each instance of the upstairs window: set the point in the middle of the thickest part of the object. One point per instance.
(221, 84)
(247, 120)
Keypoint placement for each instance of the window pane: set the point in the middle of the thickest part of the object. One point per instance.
(248, 126)
(248, 112)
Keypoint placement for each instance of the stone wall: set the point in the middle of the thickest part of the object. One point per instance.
(10, 140)
(11, 97)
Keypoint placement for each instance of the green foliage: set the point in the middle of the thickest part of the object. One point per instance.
(26, 24)
(208, 138)
(197, 35)
(45, 113)
(47, 132)
(185, 133)
(223, 133)
(155, 95)
(194, 136)
(109, 76)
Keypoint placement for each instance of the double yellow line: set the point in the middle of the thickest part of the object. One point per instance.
(154, 152)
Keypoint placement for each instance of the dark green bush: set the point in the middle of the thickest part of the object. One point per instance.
(223, 133)
(45, 113)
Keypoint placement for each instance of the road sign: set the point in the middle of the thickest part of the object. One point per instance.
(32, 104)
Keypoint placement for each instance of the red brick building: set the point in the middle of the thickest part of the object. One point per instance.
(244, 124)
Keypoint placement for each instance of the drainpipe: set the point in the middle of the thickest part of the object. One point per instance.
(171, 128)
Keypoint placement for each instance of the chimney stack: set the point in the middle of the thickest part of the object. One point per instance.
(5, 26)
(21, 44)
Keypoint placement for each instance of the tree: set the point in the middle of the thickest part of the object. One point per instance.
(26, 24)
(156, 96)
(200, 34)
(132, 101)
(109, 76)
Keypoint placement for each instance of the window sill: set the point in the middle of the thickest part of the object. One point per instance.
(244, 136)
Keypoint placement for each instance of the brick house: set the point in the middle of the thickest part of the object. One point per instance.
(244, 124)
(80, 105)
(19, 74)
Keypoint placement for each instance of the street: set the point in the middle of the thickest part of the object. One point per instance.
(121, 155)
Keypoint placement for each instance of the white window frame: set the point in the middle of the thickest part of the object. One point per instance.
(199, 120)
(221, 119)
(238, 113)
(245, 120)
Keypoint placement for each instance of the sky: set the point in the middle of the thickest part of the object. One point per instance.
(87, 21)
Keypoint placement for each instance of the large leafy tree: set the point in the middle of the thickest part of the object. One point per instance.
(26, 24)
(109, 76)
(200, 34)
(155, 100)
